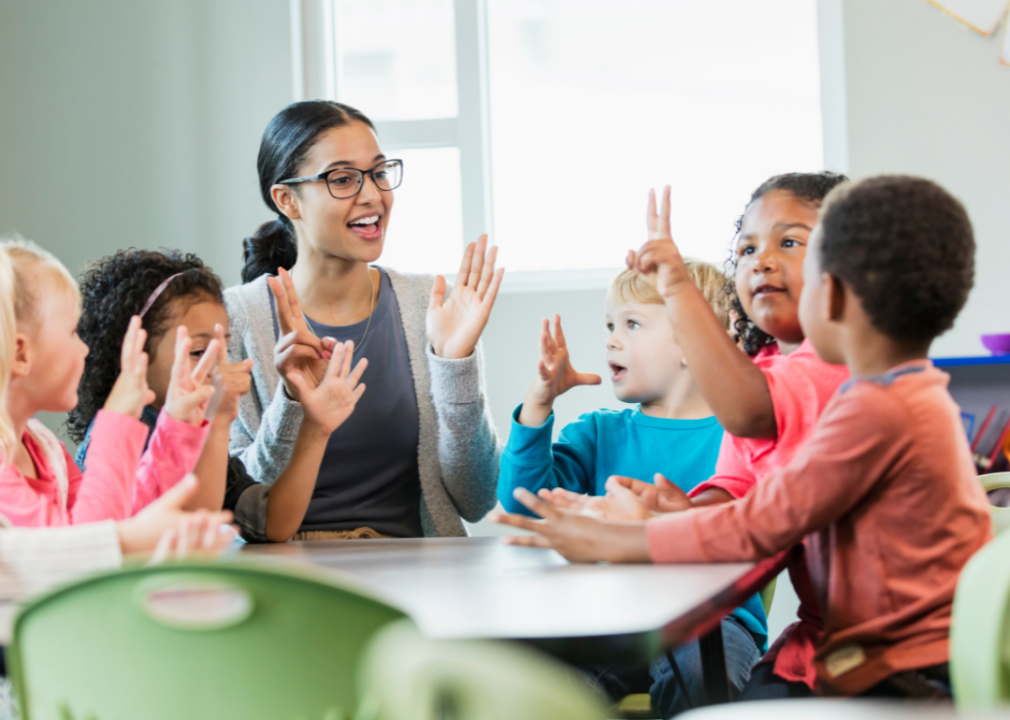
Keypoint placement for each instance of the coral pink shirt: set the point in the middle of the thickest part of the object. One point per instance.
(800, 384)
(887, 499)
(118, 481)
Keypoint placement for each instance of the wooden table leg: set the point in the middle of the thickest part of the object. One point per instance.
(713, 667)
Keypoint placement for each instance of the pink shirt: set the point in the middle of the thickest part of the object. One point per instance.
(118, 481)
(886, 497)
(800, 384)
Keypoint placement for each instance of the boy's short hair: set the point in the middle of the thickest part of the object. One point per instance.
(629, 286)
(906, 248)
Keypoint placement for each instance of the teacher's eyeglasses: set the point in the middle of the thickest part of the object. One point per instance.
(346, 182)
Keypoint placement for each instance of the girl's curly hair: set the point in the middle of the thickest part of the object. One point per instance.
(114, 289)
(812, 187)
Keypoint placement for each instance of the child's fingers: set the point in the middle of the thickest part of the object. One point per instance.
(559, 334)
(588, 379)
(128, 352)
(631, 259)
(518, 521)
(164, 547)
(664, 215)
(298, 380)
(180, 366)
(222, 348)
(544, 373)
(545, 334)
(650, 213)
(206, 364)
(636, 486)
(534, 504)
(534, 541)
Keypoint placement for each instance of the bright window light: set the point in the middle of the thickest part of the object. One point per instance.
(425, 232)
(396, 59)
(594, 102)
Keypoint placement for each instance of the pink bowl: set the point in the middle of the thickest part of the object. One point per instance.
(997, 344)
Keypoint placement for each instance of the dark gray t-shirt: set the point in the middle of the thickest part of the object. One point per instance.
(369, 474)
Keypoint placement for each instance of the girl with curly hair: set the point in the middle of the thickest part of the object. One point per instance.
(41, 361)
(176, 296)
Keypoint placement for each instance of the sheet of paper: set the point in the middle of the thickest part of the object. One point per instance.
(981, 15)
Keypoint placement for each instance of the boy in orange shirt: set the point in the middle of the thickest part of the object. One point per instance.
(884, 494)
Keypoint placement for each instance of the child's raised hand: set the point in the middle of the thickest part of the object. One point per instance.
(659, 261)
(577, 537)
(130, 395)
(233, 376)
(555, 376)
(331, 401)
(188, 391)
(298, 349)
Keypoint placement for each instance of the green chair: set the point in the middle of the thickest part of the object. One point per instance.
(238, 639)
(404, 676)
(995, 485)
(980, 631)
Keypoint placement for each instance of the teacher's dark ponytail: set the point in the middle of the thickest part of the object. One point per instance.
(286, 141)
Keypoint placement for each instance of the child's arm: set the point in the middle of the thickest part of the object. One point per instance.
(734, 387)
(555, 376)
(181, 430)
(326, 405)
(106, 490)
(212, 468)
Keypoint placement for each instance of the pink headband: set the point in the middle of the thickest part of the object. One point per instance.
(157, 292)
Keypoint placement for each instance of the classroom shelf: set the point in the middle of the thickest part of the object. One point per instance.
(980, 360)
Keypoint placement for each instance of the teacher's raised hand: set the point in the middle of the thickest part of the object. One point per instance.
(455, 322)
(298, 349)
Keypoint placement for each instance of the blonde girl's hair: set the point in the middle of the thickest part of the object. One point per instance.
(28, 275)
(629, 286)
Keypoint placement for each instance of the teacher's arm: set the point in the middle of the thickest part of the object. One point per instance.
(469, 450)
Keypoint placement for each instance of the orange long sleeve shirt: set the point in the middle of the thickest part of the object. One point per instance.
(886, 495)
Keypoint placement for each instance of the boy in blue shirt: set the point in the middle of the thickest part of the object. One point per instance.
(672, 429)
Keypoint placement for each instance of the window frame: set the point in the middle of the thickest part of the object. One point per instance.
(316, 69)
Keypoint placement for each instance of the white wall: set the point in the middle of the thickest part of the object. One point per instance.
(127, 123)
(927, 96)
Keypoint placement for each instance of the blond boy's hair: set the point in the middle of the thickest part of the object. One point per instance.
(629, 286)
(28, 275)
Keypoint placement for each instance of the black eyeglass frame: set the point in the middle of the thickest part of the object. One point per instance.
(370, 172)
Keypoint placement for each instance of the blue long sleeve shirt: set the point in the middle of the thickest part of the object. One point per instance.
(615, 442)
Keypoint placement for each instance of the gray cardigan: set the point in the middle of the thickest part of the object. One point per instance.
(457, 449)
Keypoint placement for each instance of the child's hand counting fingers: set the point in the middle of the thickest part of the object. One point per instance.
(234, 376)
(565, 499)
(131, 394)
(333, 400)
(145, 530)
(555, 376)
(659, 261)
(188, 394)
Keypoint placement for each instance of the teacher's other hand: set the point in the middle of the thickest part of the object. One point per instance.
(454, 323)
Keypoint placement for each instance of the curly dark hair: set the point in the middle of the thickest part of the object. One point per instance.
(906, 248)
(812, 187)
(114, 289)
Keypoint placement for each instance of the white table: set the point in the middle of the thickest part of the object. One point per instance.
(480, 588)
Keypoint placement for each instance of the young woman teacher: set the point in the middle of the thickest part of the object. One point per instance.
(420, 451)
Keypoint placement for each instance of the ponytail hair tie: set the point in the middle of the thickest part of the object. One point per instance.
(157, 292)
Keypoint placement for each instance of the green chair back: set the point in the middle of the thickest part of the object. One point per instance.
(980, 632)
(404, 676)
(240, 639)
(1000, 515)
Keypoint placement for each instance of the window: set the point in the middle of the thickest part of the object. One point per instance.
(545, 122)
